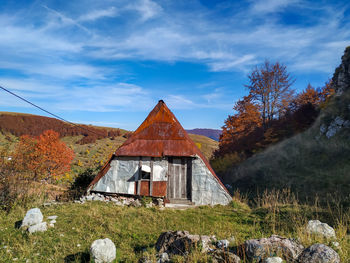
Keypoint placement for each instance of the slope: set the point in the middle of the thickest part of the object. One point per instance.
(313, 164)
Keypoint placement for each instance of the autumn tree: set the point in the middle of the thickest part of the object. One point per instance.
(270, 88)
(245, 120)
(43, 157)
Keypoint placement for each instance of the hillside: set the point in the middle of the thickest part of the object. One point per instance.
(313, 164)
(211, 133)
(92, 145)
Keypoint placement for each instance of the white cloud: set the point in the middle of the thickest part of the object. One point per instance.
(97, 14)
(146, 8)
(269, 6)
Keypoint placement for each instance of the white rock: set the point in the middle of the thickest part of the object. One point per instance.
(53, 221)
(103, 251)
(32, 217)
(223, 244)
(318, 228)
(163, 258)
(336, 244)
(51, 225)
(273, 260)
(41, 227)
(89, 198)
(52, 217)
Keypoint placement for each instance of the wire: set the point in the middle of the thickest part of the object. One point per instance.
(52, 114)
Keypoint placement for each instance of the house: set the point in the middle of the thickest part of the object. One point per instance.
(160, 160)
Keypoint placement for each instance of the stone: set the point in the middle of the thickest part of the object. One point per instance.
(319, 253)
(260, 249)
(336, 244)
(316, 227)
(53, 221)
(181, 242)
(89, 198)
(221, 256)
(163, 258)
(32, 217)
(41, 227)
(98, 198)
(136, 203)
(103, 251)
(273, 260)
(52, 217)
(223, 244)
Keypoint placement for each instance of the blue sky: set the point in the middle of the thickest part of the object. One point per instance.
(109, 62)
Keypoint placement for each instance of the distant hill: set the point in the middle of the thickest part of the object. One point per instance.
(211, 133)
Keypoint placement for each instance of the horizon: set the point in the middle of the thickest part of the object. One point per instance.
(109, 63)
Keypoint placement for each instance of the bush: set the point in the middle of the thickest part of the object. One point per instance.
(81, 182)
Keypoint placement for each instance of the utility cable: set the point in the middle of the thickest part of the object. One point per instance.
(52, 114)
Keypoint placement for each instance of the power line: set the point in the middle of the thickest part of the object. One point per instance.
(52, 114)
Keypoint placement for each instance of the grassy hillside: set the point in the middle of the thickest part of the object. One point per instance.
(311, 164)
(135, 230)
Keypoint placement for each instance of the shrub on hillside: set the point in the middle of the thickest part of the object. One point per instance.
(81, 182)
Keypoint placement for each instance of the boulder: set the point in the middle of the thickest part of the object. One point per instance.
(221, 256)
(163, 258)
(318, 228)
(181, 242)
(223, 244)
(32, 217)
(103, 251)
(260, 249)
(41, 227)
(273, 260)
(319, 253)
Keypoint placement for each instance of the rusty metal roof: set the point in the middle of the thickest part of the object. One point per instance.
(160, 135)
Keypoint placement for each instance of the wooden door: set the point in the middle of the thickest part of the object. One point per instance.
(177, 179)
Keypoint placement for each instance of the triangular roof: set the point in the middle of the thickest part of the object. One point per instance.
(160, 135)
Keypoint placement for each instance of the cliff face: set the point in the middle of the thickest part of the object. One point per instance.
(341, 77)
(336, 116)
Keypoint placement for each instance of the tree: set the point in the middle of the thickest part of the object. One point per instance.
(270, 88)
(44, 157)
(240, 124)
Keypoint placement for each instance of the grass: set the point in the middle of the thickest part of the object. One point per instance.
(135, 230)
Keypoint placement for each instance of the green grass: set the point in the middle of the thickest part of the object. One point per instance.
(135, 230)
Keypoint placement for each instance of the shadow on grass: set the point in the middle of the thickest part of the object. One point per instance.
(81, 257)
(18, 224)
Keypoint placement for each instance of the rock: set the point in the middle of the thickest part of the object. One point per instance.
(262, 248)
(41, 227)
(341, 77)
(103, 251)
(53, 221)
(32, 217)
(136, 203)
(163, 258)
(336, 244)
(221, 256)
(319, 253)
(223, 244)
(318, 228)
(52, 217)
(51, 225)
(273, 260)
(181, 242)
(98, 198)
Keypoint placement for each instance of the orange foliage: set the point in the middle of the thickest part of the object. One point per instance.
(43, 157)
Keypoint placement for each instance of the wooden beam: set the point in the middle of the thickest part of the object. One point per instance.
(139, 176)
(151, 178)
